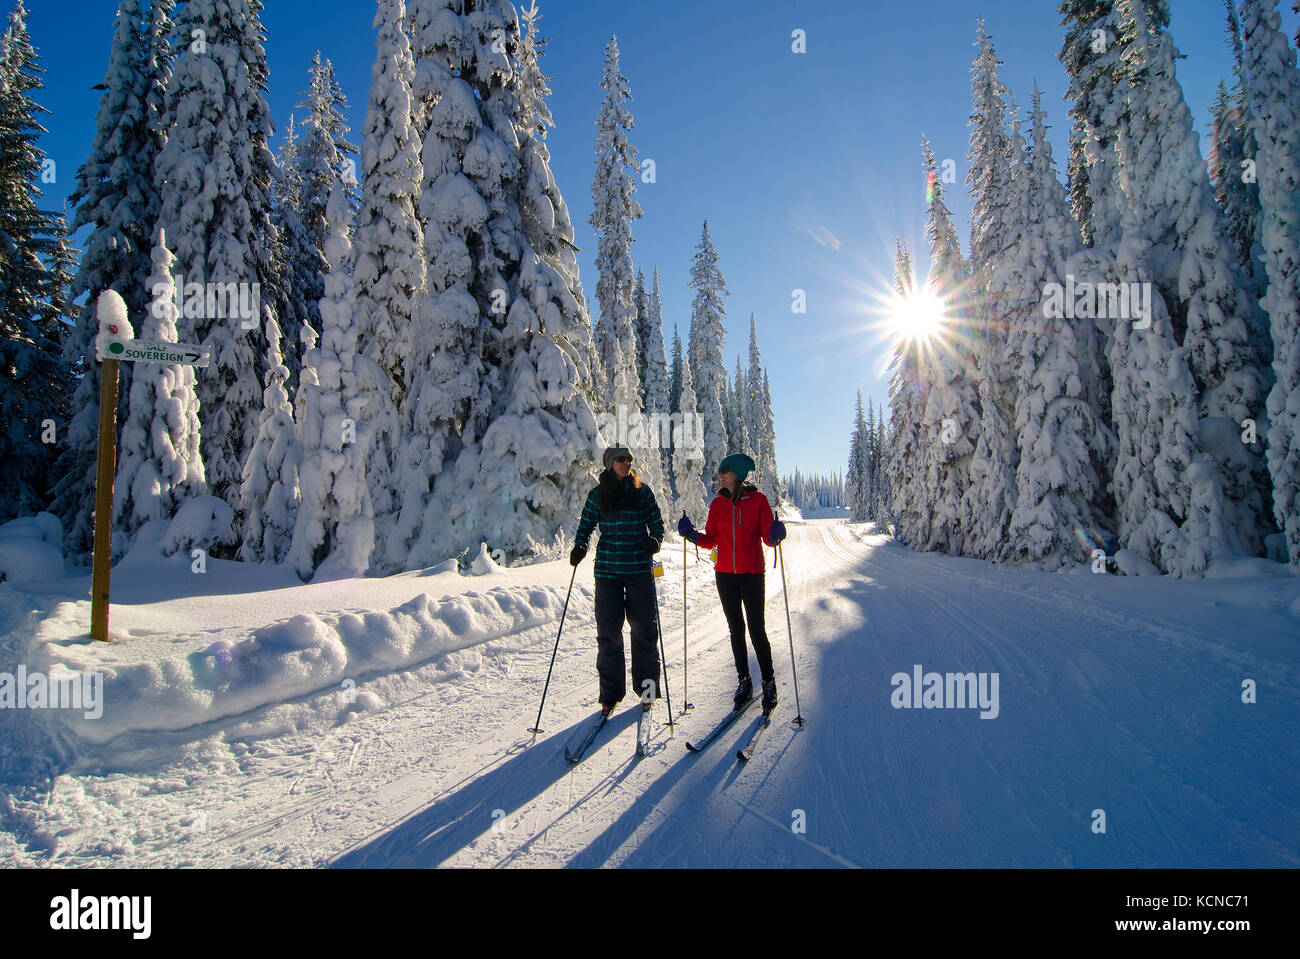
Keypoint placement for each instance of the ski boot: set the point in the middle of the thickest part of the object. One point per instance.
(770, 698)
(744, 692)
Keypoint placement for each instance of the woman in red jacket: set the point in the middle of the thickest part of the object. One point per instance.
(740, 522)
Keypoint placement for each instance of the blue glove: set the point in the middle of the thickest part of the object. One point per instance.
(777, 532)
(685, 528)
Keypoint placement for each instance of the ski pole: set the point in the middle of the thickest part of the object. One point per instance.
(790, 632)
(537, 727)
(686, 653)
(663, 655)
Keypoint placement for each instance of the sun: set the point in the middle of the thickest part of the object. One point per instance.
(918, 316)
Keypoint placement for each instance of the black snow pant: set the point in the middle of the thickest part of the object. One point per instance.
(633, 597)
(747, 589)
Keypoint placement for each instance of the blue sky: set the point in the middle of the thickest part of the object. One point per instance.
(806, 165)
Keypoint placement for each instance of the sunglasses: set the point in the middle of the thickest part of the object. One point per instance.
(622, 459)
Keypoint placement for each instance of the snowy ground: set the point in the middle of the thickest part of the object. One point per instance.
(232, 736)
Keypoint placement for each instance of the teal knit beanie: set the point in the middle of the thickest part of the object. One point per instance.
(738, 463)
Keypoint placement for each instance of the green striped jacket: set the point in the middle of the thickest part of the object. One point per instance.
(621, 549)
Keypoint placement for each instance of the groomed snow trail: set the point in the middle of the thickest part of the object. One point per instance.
(1102, 707)
(1115, 695)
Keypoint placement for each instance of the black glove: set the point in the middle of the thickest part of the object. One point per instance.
(577, 555)
(651, 545)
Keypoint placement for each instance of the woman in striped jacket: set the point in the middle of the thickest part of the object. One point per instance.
(631, 530)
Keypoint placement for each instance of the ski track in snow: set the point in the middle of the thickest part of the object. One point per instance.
(1115, 694)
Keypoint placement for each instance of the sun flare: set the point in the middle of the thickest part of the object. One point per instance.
(918, 316)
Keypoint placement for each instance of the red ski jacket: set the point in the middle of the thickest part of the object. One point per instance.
(736, 529)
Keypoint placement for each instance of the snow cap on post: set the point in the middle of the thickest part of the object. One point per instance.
(113, 321)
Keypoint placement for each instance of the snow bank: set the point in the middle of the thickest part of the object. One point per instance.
(43, 526)
(23, 560)
(31, 549)
(201, 522)
(299, 656)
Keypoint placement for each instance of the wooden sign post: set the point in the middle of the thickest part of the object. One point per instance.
(104, 501)
(114, 345)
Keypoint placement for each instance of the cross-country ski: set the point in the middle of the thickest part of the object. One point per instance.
(597, 725)
(644, 728)
(746, 751)
(702, 744)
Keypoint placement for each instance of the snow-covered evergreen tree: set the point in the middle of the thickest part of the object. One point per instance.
(735, 408)
(390, 267)
(159, 466)
(996, 161)
(214, 178)
(333, 534)
(1062, 442)
(546, 219)
(950, 424)
(294, 254)
(498, 415)
(114, 192)
(909, 386)
(675, 373)
(34, 387)
(619, 291)
(708, 376)
(115, 196)
(1194, 270)
(991, 157)
(611, 218)
(1094, 54)
(641, 310)
(323, 163)
(658, 407)
(270, 495)
(447, 390)
(869, 464)
(857, 480)
(1154, 406)
(769, 432)
(880, 490)
(57, 310)
(757, 416)
(1232, 145)
(1274, 86)
(627, 408)
(159, 56)
(692, 495)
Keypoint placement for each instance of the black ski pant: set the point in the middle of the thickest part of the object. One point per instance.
(746, 589)
(630, 597)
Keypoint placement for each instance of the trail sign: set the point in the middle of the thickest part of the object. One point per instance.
(115, 344)
(145, 351)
